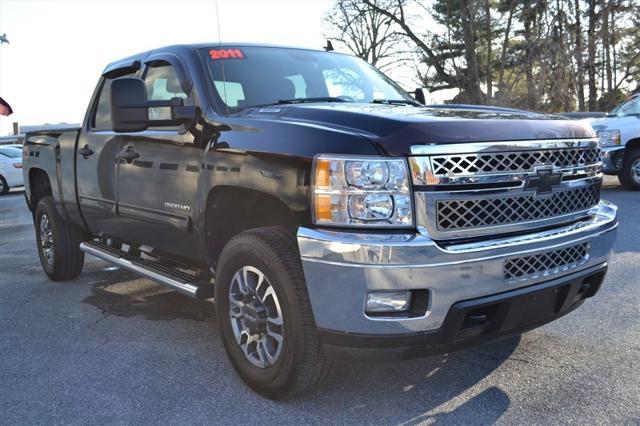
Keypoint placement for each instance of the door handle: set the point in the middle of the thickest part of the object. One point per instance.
(86, 152)
(128, 155)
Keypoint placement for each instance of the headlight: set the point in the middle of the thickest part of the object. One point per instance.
(350, 191)
(609, 137)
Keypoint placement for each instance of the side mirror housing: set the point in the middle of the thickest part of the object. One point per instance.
(129, 111)
(419, 95)
(130, 107)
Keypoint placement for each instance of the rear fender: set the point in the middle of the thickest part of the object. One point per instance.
(40, 170)
(53, 154)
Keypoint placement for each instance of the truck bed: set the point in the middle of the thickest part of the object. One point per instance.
(50, 154)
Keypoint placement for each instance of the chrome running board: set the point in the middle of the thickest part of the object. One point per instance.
(168, 277)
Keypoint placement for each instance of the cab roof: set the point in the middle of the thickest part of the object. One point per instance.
(185, 49)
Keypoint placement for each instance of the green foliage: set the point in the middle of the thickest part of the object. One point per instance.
(548, 55)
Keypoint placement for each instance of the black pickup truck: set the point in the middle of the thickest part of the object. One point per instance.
(330, 214)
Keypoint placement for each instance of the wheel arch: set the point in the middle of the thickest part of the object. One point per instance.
(39, 187)
(231, 210)
(633, 144)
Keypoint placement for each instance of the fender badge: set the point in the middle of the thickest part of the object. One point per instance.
(176, 206)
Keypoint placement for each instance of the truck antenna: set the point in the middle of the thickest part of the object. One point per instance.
(224, 79)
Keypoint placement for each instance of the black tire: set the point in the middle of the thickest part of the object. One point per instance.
(65, 261)
(4, 187)
(626, 175)
(301, 365)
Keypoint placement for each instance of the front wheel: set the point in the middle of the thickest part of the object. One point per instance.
(58, 243)
(264, 314)
(630, 174)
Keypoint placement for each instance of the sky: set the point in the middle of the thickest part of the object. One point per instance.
(58, 49)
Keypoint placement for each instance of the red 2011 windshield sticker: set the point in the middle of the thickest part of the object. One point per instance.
(216, 54)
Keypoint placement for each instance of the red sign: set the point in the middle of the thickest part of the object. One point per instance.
(216, 54)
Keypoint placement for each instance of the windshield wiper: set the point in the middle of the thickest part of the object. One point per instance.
(310, 100)
(394, 101)
(297, 101)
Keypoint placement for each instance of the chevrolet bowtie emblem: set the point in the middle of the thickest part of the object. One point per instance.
(543, 181)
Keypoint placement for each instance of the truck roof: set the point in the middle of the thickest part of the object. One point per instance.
(178, 48)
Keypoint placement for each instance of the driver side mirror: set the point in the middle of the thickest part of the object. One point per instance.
(419, 95)
(130, 107)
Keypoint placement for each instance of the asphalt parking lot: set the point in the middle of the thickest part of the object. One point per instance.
(109, 347)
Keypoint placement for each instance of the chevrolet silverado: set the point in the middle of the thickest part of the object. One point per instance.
(329, 214)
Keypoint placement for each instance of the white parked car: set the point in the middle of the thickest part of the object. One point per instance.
(10, 168)
(619, 134)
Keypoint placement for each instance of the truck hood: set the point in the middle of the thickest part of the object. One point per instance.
(610, 123)
(395, 128)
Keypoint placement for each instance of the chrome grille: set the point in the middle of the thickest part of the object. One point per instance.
(514, 161)
(552, 262)
(484, 189)
(479, 212)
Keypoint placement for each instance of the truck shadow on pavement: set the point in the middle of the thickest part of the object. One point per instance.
(423, 390)
(359, 391)
(124, 294)
(483, 409)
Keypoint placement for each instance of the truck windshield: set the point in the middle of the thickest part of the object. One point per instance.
(628, 107)
(246, 77)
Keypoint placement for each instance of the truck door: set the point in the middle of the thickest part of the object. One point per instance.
(96, 164)
(158, 173)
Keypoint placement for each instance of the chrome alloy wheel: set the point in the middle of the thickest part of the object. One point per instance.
(256, 317)
(1, 186)
(635, 171)
(46, 238)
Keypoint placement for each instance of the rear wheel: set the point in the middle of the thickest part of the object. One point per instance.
(4, 188)
(630, 174)
(265, 317)
(58, 243)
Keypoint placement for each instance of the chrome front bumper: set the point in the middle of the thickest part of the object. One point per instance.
(612, 159)
(341, 267)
